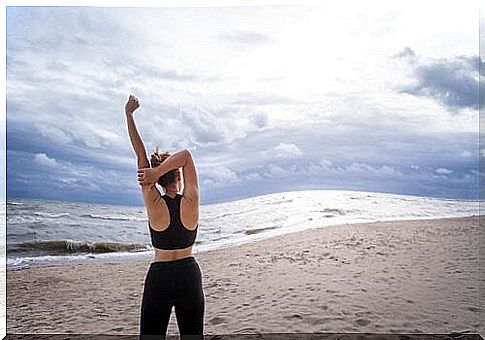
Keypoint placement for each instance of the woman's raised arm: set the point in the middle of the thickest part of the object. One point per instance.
(135, 138)
(174, 161)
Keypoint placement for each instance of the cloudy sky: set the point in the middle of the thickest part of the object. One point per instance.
(267, 99)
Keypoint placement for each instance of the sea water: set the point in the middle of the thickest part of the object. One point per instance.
(41, 232)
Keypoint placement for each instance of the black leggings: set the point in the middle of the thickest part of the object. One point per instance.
(173, 283)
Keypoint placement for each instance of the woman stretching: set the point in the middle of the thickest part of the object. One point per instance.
(174, 277)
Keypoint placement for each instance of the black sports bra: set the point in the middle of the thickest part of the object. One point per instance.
(176, 236)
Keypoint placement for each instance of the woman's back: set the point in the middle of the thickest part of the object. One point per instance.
(176, 234)
(172, 208)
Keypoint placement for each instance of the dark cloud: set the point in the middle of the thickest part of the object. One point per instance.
(452, 82)
(482, 83)
(405, 53)
(43, 176)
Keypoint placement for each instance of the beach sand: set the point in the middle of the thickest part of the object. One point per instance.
(385, 277)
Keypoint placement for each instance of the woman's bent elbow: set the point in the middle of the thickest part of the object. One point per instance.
(187, 154)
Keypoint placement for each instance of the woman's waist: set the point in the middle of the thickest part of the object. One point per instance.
(166, 255)
(184, 262)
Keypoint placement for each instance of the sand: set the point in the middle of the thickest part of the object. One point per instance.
(417, 276)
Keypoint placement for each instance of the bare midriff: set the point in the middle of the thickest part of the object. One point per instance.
(172, 254)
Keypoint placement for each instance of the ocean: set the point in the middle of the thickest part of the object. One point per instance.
(41, 232)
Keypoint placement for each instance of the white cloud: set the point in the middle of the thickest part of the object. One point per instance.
(218, 176)
(253, 177)
(287, 149)
(247, 38)
(44, 160)
(326, 164)
(206, 127)
(315, 169)
(356, 168)
(414, 167)
(276, 171)
(466, 153)
(366, 168)
(55, 133)
(260, 119)
(443, 171)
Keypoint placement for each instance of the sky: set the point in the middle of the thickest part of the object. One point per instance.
(266, 98)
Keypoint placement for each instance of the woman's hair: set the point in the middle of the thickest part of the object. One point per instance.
(156, 159)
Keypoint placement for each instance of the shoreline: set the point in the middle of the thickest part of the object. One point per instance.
(413, 276)
(117, 257)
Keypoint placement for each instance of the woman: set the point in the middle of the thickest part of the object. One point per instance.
(174, 277)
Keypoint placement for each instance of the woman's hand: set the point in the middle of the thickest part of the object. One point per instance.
(132, 104)
(147, 176)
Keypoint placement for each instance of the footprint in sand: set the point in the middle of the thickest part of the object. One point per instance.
(362, 322)
(117, 329)
(217, 320)
(246, 330)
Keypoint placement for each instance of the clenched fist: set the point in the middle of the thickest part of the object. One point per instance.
(132, 104)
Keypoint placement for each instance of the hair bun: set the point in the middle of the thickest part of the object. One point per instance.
(157, 158)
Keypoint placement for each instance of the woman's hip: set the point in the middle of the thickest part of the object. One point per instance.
(187, 266)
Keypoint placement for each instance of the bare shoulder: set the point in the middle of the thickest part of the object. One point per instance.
(157, 210)
(190, 201)
(189, 211)
(151, 194)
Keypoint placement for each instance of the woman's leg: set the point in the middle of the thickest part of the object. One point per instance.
(190, 302)
(156, 304)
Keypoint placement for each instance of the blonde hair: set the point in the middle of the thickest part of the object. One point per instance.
(158, 158)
